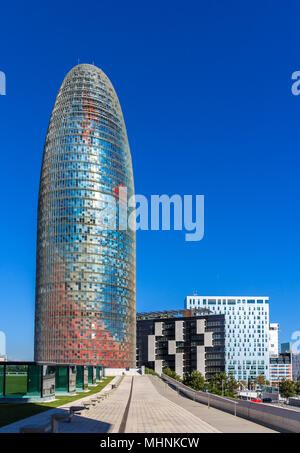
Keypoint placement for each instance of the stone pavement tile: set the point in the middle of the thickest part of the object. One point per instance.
(151, 412)
(105, 416)
(224, 421)
(44, 417)
(154, 408)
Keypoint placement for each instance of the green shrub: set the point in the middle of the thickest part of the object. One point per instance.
(172, 374)
(150, 371)
(195, 381)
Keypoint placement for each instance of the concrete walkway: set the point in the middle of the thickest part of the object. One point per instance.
(150, 412)
(224, 421)
(153, 408)
(104, 417)
(88, 423)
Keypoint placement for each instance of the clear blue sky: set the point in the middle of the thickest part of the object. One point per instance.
(205, 88)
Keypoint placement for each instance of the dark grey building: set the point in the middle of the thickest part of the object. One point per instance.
(183, 340)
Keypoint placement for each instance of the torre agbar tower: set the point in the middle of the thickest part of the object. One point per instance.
(85, 277)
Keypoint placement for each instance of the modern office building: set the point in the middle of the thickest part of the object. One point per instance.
(183, 340)
(85, 265)
(246, 332)
(295, 359)
(273, 338)
(286, 347)
(280, 368)
(296, 366)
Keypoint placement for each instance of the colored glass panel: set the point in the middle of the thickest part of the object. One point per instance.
(85, 281)
(62, 380)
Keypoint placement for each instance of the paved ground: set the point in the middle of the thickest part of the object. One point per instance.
(153, 408)
(225, 422)
(150, 412)
(94, 422)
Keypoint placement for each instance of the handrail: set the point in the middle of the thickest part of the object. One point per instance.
(265, 414)
(197, 392)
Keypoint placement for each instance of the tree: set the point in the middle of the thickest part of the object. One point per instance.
(231, 385)
(171, 374)
(221, 384)
(195, 380)
(297, 387)
(218, 383)
(260, 380)
(287, 388)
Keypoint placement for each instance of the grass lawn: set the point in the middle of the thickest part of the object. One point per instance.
(12, 412)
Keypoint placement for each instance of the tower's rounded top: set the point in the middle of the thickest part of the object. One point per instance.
(87, 67)
(88, 70)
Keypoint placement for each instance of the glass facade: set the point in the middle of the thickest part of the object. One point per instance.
(22, 381)
(62, 379)
(35, 380)
(79, 378)
(98, 376)
(246, 332)
(92, 375)
(85, 281)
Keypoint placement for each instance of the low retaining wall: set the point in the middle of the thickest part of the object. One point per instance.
(34, 399)
(272, 416)
(294, 402)
(122, 371)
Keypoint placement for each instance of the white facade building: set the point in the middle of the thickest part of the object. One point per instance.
(246, 332)
(273, 339)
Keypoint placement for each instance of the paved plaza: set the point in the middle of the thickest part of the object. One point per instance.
(144, 404)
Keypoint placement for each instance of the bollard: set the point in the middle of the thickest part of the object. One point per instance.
(235, 409)
(208, 401)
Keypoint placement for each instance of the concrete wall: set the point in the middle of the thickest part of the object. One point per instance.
(279, 418)
(200, 327)
(151, 348)
(294, 402)
(179, 330)
(121, 371)
(158, 366)
(179, 364)
(171, 347)
(201, 359)
(158, 329)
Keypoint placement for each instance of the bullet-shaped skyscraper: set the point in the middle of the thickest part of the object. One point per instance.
(85, 266)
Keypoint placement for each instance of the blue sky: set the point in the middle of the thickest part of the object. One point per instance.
(205, 88)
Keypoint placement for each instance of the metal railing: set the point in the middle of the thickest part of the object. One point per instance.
(211, 400)
(279, 418)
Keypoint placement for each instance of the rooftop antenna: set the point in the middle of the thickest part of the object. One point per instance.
(93, 63)
(78, 61)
